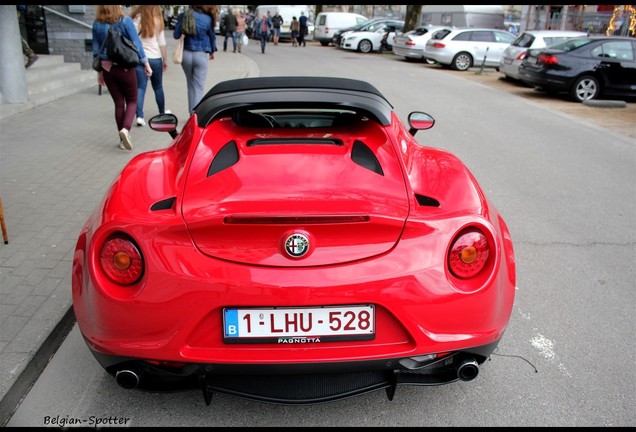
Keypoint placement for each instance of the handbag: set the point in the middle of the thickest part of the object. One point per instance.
(97, 61)
(245, 40)
(121, 50)
(177, 55)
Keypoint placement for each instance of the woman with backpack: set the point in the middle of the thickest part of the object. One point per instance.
(120, 81)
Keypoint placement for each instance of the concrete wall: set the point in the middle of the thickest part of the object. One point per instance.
(71, 35)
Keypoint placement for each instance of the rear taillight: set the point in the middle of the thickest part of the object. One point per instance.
(522, 56)
(410, 42)
(548, 59)
(468, 254)
(438, 45)
(121, 260)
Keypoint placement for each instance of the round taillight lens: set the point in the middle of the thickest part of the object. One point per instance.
(468, 254)
(121, 261)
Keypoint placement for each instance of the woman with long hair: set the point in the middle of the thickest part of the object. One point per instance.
(120, 81)
(149, 24)
(197, 24)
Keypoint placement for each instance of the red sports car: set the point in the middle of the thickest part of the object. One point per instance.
(293, 244)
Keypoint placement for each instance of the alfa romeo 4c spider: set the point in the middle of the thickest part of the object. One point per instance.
(294, 243)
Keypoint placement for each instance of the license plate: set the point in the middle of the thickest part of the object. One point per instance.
(299, 325)
(507, 61)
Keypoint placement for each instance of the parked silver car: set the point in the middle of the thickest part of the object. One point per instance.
(464, 48)
(515, 53)
(411, 44)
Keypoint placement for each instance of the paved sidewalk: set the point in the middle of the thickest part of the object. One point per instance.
(56, 162)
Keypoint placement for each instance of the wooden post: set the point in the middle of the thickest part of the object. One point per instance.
(4, 227)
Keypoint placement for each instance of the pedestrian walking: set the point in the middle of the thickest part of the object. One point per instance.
(150, 27)
(277, 22)
(120, 81)
(263, 31)
(197, 24)
(241, 26)
(304, 29)
(295, 29)
(229, 24)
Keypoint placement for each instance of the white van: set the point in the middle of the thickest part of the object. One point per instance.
(287, 12)
(327, 23)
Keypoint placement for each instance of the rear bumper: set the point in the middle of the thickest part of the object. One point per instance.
(409, 53)
(296, 384)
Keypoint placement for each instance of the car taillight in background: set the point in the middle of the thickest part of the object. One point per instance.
(438, 45)
(121, 260)
(468, 254)
(548, 59)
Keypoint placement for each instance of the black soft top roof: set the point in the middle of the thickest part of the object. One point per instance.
(293, 92)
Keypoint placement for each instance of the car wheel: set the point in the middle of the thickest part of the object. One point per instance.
(324, 43)
(365, 46)
(429, 61)
(585, 88)
(462, 61)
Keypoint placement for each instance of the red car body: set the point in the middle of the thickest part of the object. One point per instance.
(295, 260)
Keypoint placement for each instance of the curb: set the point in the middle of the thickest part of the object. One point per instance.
(35, 367)
(599, 103)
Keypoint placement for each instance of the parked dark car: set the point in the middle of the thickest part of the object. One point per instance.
(585, 67)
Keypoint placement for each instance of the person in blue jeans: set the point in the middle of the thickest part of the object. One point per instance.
(262, 30)
(150, 27)
(199, 46)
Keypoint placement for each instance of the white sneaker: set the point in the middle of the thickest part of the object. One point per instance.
(140, 121)
(124, 135)
(167, 112)
(121, 145)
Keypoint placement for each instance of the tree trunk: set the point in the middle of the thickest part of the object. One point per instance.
(412, 18)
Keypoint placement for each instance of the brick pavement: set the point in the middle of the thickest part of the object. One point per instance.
(56, 162)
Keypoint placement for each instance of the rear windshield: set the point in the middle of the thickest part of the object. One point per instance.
(572, 44)
(523, 41)
(440, 34)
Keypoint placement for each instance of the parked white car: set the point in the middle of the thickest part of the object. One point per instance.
(411, 44)
(370, 39)
(515, 53)
(328, 23)
(461, 49)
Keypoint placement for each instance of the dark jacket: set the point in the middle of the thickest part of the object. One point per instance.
(277, 21)
(229, 21)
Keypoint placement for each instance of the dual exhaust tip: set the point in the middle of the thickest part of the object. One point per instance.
(127, 378)
(467, 370)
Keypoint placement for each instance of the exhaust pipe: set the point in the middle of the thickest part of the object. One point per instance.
(127, 379)
(468, 369)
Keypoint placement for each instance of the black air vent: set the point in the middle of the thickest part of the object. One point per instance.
(363, 156)
(225, 158)
(165, 204)
(279, 141)
(423, 200)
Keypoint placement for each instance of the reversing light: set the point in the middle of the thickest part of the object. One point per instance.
(121, 260)
(468, 254)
